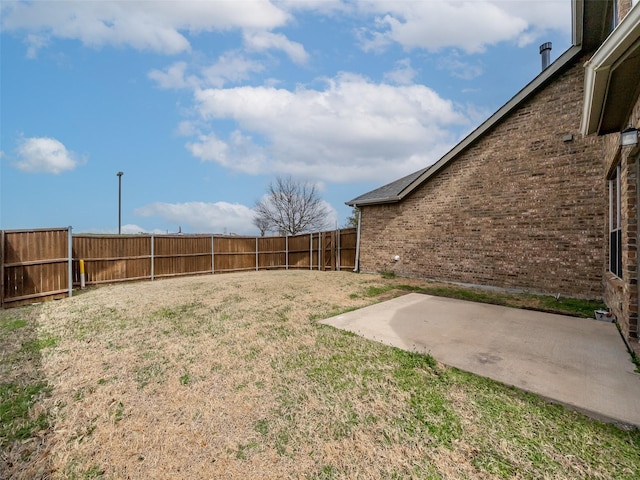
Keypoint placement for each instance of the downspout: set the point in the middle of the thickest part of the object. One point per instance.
(357, 262)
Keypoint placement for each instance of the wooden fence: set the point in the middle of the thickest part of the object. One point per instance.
(35, 265)
(42, 264)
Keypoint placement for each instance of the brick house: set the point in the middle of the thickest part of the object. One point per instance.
(611, 105)
(523, 201)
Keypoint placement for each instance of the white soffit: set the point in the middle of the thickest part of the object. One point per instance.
(623, 42)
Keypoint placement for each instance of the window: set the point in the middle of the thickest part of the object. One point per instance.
(615, 230)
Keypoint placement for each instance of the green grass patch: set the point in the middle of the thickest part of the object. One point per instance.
(547, 303)
(22, 384)
(34, 345)
(150, 373)
(16, 401)
(262, 426)
(374, 291)
(516, 428)
(572, 306)
(10, 324)
(245, 449)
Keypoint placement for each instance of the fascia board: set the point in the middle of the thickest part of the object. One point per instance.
(577, 16)
(599, 68)
(596, 86)
(377, 201)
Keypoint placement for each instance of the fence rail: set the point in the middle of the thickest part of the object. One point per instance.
(43, 264)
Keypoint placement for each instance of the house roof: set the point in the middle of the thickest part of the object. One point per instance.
(611, 78)
(391, 192)
(590, 28)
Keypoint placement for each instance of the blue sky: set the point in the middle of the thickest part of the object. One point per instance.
(202, 104)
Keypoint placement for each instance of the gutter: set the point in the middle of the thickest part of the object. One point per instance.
(356, 267)
(599, 68)
(375, 201)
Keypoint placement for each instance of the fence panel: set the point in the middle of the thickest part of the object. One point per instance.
(234, 254)
(299, 251)
(272, 252)
(112, 258)
(181, 255)
(347, 248)
(35, 265)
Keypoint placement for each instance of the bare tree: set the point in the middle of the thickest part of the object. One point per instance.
(291, 207)
(263, 225)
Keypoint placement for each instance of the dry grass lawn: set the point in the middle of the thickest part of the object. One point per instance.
(230, 377)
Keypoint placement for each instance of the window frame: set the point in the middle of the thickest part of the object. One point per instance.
(615, 223)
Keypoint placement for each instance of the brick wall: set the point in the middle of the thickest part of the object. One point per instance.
(621, 295)
(520, 208)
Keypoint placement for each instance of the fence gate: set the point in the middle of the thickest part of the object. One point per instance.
(329, 250)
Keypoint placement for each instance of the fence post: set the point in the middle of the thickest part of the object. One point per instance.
(338, 259)
(70, 251)
(213, 257)
(310, 251)
(320, 248)
(256, 254)
(286, 252)
(152, 259)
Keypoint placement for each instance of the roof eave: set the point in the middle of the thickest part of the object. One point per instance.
(375, 201)
(600, 68)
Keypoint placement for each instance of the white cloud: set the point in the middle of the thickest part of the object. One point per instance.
(128, 229)
(231, 67)
(352, 130)
(44, 155)
(133, 229)
(219, 217)
(209, 148)
(143, 25)
(459, 68)
(187, 128)
(173, 77)
(468, 25)
(332, 215)
(326, 7)
(238, 153)
(35, 43)
(260, 41)
(403, 74)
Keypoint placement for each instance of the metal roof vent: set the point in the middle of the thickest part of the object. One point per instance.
(545, 52)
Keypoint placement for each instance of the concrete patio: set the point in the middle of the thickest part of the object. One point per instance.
(581, 363)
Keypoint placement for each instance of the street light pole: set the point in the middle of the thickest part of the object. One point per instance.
(119, 174)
